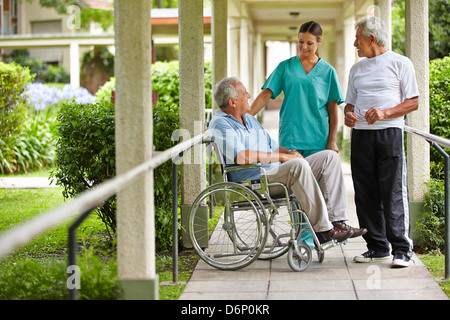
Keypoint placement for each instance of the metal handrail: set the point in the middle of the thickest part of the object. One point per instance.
(436, 141)
(87, 201)
(429, 137)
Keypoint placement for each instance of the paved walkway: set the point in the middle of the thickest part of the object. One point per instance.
(337, 277)
(26, 183)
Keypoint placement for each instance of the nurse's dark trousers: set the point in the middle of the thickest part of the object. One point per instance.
(381, 194)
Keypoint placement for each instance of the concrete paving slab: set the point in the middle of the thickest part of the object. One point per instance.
(311, 285)
(312, 295)
(219, 286)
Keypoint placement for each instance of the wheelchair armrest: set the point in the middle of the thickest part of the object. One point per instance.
(256, 165)
(259, 181)
(242, 167)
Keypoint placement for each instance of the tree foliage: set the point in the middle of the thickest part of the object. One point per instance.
(439, 28)
(105, 18)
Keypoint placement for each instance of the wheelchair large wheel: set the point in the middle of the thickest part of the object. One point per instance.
(240, 233)
(299, 259)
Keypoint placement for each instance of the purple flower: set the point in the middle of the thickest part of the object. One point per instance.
(41, 95)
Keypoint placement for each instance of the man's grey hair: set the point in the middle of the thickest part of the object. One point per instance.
(224, 90)
(374, 26)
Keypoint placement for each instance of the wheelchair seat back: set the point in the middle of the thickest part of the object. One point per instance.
(259, 185)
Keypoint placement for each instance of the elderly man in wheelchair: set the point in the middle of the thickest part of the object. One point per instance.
(313, 190)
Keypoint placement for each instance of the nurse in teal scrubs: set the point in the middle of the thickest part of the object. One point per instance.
(309, 112)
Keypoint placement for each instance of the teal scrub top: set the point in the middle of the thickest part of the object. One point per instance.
(304, 116)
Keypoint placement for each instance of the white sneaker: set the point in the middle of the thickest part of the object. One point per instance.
(400, 261)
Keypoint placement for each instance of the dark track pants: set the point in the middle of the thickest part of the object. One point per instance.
(381, 194)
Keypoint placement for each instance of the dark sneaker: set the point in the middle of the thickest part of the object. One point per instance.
(400, 260)
(334, 234)
(371, 256)
(356, 231)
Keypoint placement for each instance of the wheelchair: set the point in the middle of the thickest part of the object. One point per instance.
(250, 224)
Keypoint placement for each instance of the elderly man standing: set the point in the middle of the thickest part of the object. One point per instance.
(382, 89)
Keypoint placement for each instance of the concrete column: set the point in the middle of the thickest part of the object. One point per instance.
(259, 69)
(348, 59)
(220, 42)
(234, 32)
(244, 53)
(134, 127)
(385, 8)
(192, 103)
(418, 153)
(416, 41)
(74, 64)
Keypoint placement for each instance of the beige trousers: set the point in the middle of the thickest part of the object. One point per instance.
(318, 184)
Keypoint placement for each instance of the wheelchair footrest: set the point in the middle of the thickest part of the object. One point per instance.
(330, 244)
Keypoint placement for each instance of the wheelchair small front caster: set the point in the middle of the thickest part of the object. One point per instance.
(299, 256)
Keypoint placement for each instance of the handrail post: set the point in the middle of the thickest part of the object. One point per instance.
(175, 209)
(447, 206)
(447, 217)
(209, 147)
(72, 254)
(175, 219)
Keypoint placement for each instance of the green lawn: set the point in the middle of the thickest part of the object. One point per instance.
(435, 264)
(38, 270)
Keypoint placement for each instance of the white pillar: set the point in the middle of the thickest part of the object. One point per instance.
(234, 27)
(134, 144)
(416, 41)
(244, 53)
(385, 15)
(220, 42)
(74, 64)
(258, 61)
(192, 103)
(348, 59)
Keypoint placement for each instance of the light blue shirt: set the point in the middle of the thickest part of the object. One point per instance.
(232, 137)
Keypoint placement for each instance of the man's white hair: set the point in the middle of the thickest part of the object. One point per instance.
(374, 26)
(224, 90)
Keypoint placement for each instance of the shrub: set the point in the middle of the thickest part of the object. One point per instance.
(44, 72)
(166, 119)
(431, 226)
(86, 158)
(165, 82)
(104, 92)
(76, 157)
(439, 108)
(56, 74)
(86, 151)
(34, 148)
(13, 81)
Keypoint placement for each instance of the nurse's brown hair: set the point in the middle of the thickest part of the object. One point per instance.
(313, 28)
